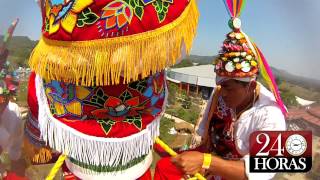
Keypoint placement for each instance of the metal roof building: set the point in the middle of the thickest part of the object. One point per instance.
(202, 75)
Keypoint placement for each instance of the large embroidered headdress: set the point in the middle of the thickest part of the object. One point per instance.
(98, 88)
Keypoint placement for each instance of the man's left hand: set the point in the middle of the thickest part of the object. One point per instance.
(189, 162)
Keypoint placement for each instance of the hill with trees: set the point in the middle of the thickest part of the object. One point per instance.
(20, 48)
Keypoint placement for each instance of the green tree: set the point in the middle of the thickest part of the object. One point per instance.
(288, 98)
(187, 102)
(184, 63)
(172, 88)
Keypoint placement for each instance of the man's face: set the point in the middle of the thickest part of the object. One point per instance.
(234, 93)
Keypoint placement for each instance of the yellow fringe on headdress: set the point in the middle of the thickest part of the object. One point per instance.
(37, 155)
(102, 62)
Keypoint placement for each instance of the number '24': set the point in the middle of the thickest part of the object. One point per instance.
(276, 146)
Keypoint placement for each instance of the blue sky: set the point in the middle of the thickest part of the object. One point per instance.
(287, 31)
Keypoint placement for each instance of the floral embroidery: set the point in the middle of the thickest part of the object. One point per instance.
(138, 7)
(68, 14)
(127, 108)
(87, 17)
(222, 108)
(138, 99)
(66, 99)
(162, 6)
(106, 125)
(140, 86)
(135, 120)
(117, 14)
(113, 107)
(64, 14)
(145, 2)
(155, 92)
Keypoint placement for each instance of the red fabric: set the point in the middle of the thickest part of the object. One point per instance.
(146, 175)
(13, 176)
(67, 175)
(166, 170)
(149, 22)
(32, 97)
(31, 129)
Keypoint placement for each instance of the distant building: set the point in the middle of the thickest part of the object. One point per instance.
(304, 102)
(305, 118)
(195, 78)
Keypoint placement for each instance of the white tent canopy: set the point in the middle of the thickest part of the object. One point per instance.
(304, 102)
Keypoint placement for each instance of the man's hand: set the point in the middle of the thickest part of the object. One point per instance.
(189, 162)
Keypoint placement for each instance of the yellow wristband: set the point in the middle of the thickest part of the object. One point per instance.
(206, 161)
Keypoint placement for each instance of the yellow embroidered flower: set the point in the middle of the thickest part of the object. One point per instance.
(65, 16)
(66, 99)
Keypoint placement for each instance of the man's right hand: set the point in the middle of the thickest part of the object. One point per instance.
(190, 162)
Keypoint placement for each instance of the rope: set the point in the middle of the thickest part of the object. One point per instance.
(56, 167)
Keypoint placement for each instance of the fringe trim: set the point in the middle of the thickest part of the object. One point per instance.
(89, 149)
(102, 62)
(37, 155)
(131, 173)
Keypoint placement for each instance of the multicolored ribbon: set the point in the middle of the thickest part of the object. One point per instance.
(267, 75)
(234, 7)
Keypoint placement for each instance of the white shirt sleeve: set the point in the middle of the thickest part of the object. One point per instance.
(269, 118)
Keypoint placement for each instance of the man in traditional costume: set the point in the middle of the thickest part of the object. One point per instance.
(238, 107)
(98, 88)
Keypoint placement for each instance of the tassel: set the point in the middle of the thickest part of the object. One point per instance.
(37, 155)
(102, 62)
